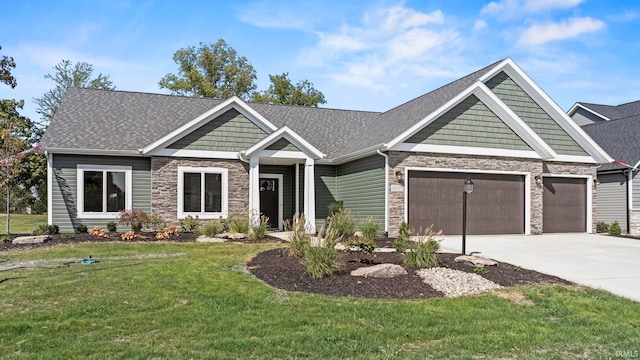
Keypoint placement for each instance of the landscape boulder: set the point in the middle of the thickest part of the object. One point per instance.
(473, 260)
(32, 239)
(232, 236)
(380, 271)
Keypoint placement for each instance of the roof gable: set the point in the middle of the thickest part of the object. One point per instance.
(291, 137)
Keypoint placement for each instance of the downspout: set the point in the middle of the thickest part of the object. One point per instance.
(386, 190)
(630, 194)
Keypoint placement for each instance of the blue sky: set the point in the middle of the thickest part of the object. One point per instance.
(365, 55)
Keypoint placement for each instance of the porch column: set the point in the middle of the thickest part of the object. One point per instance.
(310, 195)
(254, 190)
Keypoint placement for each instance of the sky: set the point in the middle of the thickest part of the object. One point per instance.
(363, 55)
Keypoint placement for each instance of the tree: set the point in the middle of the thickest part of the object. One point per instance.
(6, 64)
(282, 91)
(69, 75)
(16, 136)
(211, 70)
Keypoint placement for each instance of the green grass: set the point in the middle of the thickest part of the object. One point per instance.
(198, 302)
(21, 223)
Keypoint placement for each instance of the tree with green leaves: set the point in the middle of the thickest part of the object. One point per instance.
(282, 91)
(211, 70)
(66, 75)
(6, 64)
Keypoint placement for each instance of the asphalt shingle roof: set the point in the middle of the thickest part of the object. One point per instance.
(621, 111)
(118, 120)
(619, 138)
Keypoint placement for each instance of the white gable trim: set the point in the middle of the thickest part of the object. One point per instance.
(289, 135)
(550, 107)
(575, 107)
(465, 150)
(494, 104)
(231, 103)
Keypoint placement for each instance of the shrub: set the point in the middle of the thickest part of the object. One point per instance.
(81, 228)
(98, 232)
(299, 238)
(68, 235)
(190, 224)
(163, 235)
(260, 230)
(112, 226)
(367, 247)
(136, 218)
(370, 228)
(401, 243)
(342, 222)
(156, 223)
(239, 225)
(5, 238)
(602, 227)
(320, 261)
(212, 229)
(45, 229)
(615, 229)
(422, 253)
(129, 235)
(480, 270)
(335, 207)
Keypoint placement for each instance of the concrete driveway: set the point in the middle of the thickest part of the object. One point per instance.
(597, 261)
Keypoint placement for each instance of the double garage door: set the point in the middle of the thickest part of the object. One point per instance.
(496, 205)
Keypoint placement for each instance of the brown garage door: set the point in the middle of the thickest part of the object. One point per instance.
(564, 205)
(496, 205)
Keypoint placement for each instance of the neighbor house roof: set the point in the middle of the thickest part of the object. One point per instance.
(611, 112)
(619, 138)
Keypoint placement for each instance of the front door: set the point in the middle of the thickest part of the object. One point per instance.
(269, 200)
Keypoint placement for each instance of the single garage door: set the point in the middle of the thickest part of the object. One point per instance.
(496, 205)
(564, 207)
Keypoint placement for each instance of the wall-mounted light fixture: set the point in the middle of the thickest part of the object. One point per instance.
(399, 176)
(596, 182)
(538, 179)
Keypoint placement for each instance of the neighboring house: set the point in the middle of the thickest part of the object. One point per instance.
(533, 167)
(617, 130)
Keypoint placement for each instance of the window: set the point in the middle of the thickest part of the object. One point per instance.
(103, 191)
(202, 192)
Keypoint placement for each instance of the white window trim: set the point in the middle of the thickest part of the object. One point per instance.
(225, 192)
(128, 178)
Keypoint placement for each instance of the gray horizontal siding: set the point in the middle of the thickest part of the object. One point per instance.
(64, 190)
(584, 117)
(230, 131)
(611, 199)
(361, 187)
(635, 183)
(533, 115)
(326, 186)
(470, 123)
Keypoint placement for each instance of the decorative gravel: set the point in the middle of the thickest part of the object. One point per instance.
(455, 282)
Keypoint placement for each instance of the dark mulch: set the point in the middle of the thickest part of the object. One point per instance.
(60, 239)
(278, 269)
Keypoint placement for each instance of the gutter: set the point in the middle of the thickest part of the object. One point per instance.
(356, 155)
(93, 152)
(386, 190)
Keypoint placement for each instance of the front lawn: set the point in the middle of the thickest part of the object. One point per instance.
(21, 223)
(194, 300)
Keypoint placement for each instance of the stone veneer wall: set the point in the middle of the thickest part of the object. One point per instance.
(634, 222)
(164, 185)
(398, 161)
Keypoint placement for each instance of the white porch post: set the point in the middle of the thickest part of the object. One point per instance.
(254, 190)
(297, 188)
(310, 195)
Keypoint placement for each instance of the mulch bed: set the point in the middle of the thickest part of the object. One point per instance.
(280, 270)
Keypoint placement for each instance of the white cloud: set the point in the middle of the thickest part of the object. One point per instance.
(508, 9)
(539, 34)
(479, 25)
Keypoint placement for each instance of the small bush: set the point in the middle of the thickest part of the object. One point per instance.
(370, 228)
(422, 253)
(401, 243)
(602, 227)
(163, 235)
(615, 229)
(335, 207)
(129, 235)
(212, 229)
(342, 222)
(81, 228)
(366, 247)
(480, 270)
(299, 238)
(260, 230)
(320, 261)
(45, 229)
(190, 224)
(156, 223)
(112, 226)
(239, 225)
(68, 235)
(136, 218)
(98, 232)
(5, 238)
